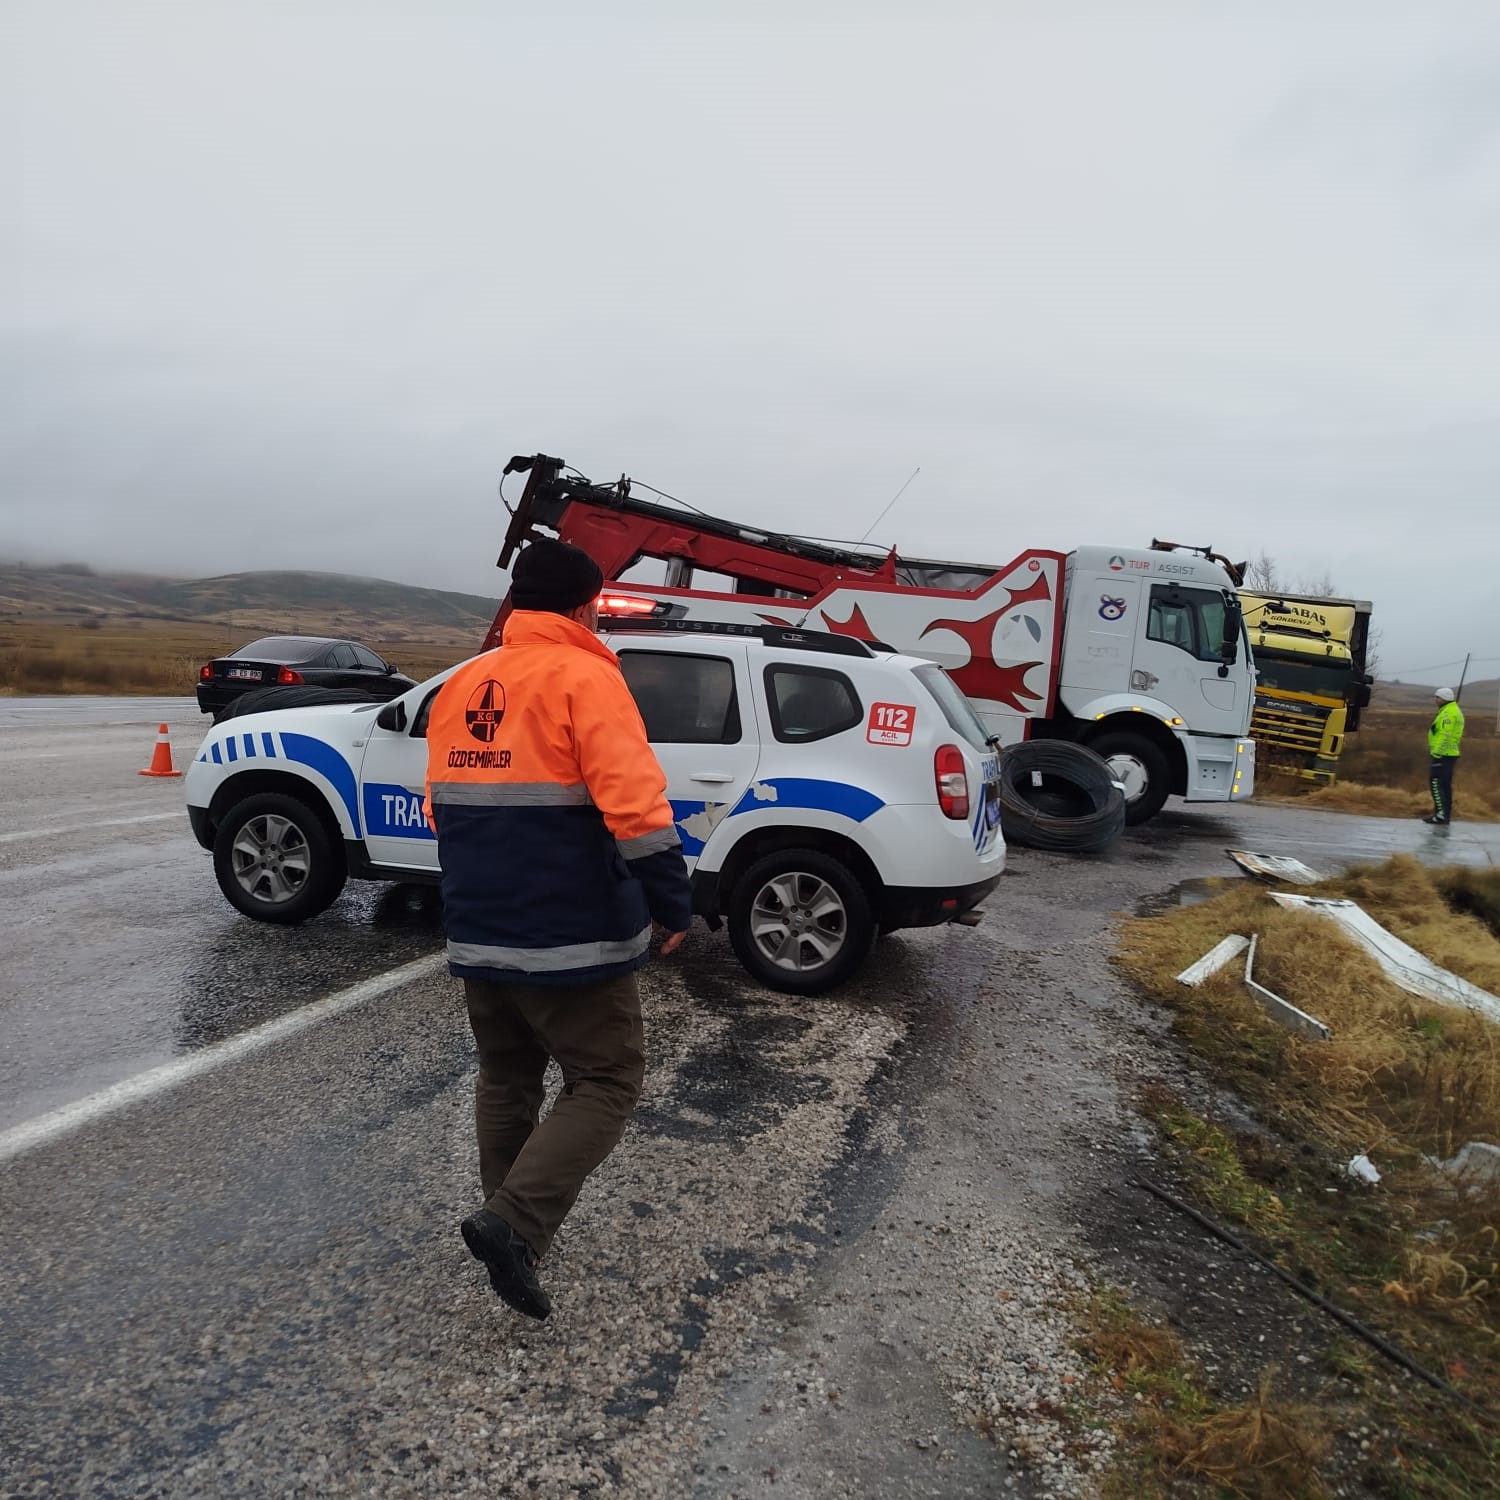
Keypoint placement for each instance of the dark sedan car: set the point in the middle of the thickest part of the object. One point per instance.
(288, 660)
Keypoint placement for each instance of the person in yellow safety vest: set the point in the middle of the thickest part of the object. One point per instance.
(559, 854)
(1443, 740)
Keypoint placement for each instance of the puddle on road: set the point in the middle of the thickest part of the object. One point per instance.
(1185, 893)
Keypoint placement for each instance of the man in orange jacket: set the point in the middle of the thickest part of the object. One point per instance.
(558, 853)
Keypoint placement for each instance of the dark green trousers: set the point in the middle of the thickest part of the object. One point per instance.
(533, 1169)
(1440, 781)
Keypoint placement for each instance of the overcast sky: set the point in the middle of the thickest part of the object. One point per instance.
(290, 282)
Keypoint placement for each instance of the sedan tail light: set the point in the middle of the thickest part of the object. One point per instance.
(206, 672)
(952, 780)
(286, 675)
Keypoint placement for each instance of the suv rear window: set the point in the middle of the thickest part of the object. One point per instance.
(685, 699)
(810, 703)
(957, 709)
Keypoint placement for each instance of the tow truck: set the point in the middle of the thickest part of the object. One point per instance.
(1140, 654)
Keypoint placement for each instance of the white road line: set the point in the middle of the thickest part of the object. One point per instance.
(70, 1117)
(57, 833)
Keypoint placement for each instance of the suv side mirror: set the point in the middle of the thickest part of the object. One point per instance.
(392, 716)
(391, 669)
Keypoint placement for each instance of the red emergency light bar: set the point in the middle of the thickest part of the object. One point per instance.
(630, 607)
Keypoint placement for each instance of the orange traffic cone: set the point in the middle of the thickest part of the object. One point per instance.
(161, 756)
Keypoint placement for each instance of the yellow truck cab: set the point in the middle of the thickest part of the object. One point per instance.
(1311, 682)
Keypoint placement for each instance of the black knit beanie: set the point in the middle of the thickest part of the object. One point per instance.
(554, 576)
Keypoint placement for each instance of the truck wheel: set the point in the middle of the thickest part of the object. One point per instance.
(1142, 766)
(800, 921)
(275, 861)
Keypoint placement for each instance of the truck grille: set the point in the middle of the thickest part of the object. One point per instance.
(1275, 724)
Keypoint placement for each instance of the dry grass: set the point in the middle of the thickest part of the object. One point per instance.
(1402, 1079)
(1398, 1068)
(1263, 1447)
(1383, 769)
(149, 656)
(1176, 1433)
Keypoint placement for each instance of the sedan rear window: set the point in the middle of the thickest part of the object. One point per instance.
(282, 648)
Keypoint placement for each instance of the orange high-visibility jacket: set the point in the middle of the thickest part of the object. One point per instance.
(555, 835)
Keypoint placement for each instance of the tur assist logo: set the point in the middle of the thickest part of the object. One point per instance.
(484, 711)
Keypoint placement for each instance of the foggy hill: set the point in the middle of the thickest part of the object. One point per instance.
(1480, 695)
(308, 601)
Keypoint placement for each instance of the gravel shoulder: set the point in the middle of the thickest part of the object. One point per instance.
(947, 1314)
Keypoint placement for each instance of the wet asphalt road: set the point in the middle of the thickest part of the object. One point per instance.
(119, 952)
(248, 1283)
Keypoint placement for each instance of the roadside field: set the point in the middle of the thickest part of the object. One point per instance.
(1405, 1081)
(1383, 769)
(146, 656)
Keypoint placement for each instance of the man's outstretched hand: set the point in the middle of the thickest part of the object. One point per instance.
(672, 942)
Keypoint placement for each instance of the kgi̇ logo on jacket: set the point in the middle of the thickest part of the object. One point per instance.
(484, 711)
(1110, 608)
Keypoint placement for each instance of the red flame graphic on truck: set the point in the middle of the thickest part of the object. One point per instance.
(981, 676)
(855, 625)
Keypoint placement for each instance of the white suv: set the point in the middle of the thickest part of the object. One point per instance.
(823, 791)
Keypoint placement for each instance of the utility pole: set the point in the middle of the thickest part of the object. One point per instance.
(1459, 690)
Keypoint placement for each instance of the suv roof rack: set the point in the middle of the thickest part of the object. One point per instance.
(783, 636)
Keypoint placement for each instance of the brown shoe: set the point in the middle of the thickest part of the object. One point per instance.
(510, 1261)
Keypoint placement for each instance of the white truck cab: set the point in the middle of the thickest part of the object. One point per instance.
(823, 790)
(1159, 634)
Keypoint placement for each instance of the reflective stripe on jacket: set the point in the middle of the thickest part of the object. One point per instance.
(1446, 732)
(555, 836)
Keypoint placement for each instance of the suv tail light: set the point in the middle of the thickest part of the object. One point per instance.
(286, 675)
(206, 672)
(952, 779)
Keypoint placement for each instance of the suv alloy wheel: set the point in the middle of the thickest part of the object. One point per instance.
(800, 921)
(275, 861)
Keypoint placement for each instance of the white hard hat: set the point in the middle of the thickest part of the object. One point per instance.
(1444, 695)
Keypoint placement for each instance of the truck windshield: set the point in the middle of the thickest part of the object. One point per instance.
(957, 709)
(1316, 676)
(1192, 619)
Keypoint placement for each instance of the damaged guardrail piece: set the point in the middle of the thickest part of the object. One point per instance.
(1278, 1009)
(1404, 966)
(1274, 866)
(1214, 960)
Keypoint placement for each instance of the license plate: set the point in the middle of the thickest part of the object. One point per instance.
(991, 807)
(248, 674)
(991, 771)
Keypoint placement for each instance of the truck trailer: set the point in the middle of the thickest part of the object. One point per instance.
(1311, 682)
(1140, 654)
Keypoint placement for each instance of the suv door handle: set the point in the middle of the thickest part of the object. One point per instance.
(716, 776)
